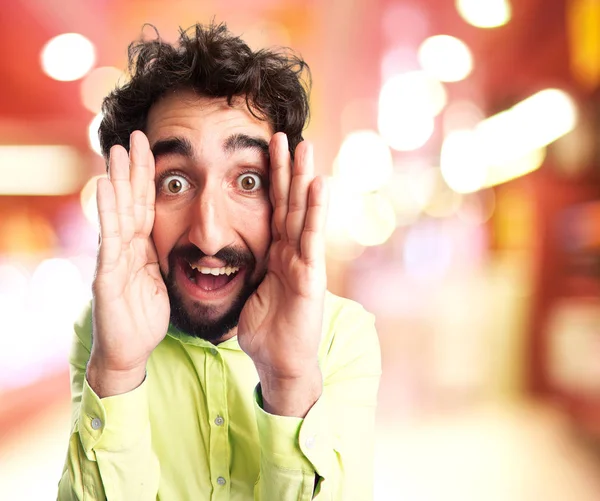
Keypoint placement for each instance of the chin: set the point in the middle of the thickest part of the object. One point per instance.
(210, 320)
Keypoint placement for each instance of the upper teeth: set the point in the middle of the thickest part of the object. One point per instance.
(225, 270)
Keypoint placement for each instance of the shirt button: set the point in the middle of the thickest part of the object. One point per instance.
(96, 424)
(221, 481)
(214, 351)
(219, 421)
(310, 442)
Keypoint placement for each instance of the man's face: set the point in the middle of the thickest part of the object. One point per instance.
(212, 224)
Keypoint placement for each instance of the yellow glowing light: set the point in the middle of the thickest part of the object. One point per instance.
(509, 144)
(98, 84)
(339, 244)
(372, 221)
(462, 162)
(529, 125)
(39, 170)
(485, 13)
(446, 58)
(68, 57)
(400, 191)
(407, 104)
(498, 173)
(443, 201)
(87, 198)
(93, 133)
(364, 162)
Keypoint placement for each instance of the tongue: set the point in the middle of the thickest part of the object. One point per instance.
(211, 282)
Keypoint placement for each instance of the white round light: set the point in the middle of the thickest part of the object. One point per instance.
(93, 133)
(87, 198)
(98, 84)
(68, 57)
(405, 132)
(415, 92)
(446, 58)
(461, 162)
(364, 162)
(407, 104)
(485, 13)
(372, 221)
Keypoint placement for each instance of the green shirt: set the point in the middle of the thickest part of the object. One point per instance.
(195, 428)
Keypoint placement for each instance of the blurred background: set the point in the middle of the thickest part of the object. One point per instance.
(461, 141)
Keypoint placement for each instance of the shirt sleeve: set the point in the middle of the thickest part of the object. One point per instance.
(110, 450)
(334, 442)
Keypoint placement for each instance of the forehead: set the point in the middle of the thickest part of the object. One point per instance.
(184, 112)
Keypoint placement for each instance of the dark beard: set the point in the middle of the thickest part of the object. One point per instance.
(199, 322)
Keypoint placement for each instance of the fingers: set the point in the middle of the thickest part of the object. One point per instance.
(313, 240)
(279, 188)
(110, 235)
(118, 171)
(298, 197)
(142, 175)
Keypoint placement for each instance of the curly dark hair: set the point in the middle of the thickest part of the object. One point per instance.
(214, 63)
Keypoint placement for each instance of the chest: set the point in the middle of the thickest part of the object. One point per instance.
(203, 422)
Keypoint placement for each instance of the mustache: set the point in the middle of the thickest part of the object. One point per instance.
(231, 256)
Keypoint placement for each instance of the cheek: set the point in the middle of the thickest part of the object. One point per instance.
(258, 230)
(165, 235)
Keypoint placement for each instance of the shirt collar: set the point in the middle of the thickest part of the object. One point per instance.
(182, 337)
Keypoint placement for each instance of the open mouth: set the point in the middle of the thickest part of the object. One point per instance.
(209, 279)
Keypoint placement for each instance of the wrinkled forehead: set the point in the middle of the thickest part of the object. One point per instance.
(188, 109)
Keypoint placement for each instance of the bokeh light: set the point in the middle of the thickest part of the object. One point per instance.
(446, 58)
(407, 105)
(68, 57)
(462, 162)
(371, 221)
(485, 13)
(339, 244)
(48, 169)
(507, 145)
(364, 162)
(87, 198)
(98, 84)
(400, 190)
(93, 137)
(461, 115)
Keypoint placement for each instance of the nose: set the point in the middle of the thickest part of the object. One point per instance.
(210, 228)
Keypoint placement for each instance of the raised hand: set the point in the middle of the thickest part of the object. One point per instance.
(130, 305)
(280, 325)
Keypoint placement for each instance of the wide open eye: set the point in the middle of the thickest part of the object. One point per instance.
(174, 184)
(249, 182)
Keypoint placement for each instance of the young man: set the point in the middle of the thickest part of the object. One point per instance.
(213, 364)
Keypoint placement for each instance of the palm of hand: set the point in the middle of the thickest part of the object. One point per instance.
(131, 305)
(277, 320)
(280, 325)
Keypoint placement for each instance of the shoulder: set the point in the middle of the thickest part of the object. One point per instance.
(348, 332)
(341, 311)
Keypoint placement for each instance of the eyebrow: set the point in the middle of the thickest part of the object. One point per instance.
(183, 147)
(173, 146)
(238, 142)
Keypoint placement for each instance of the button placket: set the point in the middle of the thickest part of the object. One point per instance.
(219, 453)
